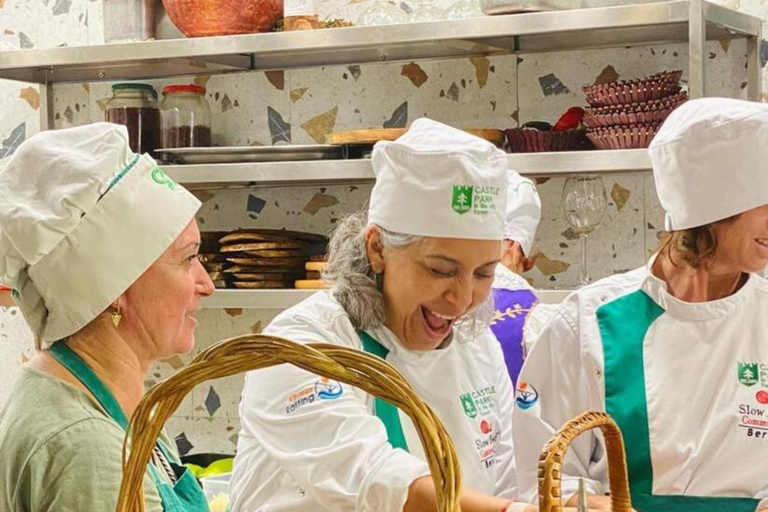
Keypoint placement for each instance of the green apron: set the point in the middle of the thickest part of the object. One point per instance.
(183, 496)
(385, 411)
(623, 325)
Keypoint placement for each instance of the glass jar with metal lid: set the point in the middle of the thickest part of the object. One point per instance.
(185, 117)
(135, 106)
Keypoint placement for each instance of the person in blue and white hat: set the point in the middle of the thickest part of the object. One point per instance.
(513, 297)
(676, 350)
(410, 281)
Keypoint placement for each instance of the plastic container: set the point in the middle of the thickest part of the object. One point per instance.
(129, 20)
(135, 106)
(216, 491)
(185, 117)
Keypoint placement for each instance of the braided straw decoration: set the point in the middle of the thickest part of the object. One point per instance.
(552, 458)
(244, 353)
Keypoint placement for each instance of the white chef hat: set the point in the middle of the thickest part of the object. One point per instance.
(81, 218)
(438, 181)
(710, 161)
(523, 211)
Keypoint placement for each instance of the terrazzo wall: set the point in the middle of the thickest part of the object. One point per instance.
(303, 106)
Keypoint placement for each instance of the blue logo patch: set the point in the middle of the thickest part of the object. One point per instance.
(327, 389)
(527, 396)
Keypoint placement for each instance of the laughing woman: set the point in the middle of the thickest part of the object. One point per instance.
(410, 282)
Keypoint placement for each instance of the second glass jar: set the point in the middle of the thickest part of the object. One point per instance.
(185, 117)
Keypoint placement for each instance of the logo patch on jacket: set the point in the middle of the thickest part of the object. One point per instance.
(748, 373)
(479, 402)
(527, 396)
(323, 389)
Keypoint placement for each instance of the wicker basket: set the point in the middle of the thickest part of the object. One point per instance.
(552, 458)
(244, 353)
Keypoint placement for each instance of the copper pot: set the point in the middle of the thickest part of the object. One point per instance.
(198, 18)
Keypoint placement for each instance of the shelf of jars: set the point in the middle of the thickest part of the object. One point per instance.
(650, 23)
(283, 299)
(268, 174)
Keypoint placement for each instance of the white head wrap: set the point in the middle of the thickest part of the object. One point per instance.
(438, 181)
(523, 211)
(81, 219)
(710, 161)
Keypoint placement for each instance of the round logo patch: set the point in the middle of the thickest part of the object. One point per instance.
(328, 389)
(527, 396)
(762, 397)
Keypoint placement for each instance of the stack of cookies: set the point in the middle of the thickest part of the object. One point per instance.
(260, 258)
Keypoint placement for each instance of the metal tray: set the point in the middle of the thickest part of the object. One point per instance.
(240, 154)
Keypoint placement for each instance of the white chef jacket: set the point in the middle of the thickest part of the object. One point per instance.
(309, 444)
(707, 423)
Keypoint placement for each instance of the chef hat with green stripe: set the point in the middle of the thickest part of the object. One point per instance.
(81, 218)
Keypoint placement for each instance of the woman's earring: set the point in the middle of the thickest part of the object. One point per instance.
(116, 317)
(378, 279)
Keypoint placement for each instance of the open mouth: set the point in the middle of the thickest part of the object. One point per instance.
(437, 325)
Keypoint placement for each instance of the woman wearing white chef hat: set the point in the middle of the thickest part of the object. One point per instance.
(675, 351)
(410, 283)
(100, 248)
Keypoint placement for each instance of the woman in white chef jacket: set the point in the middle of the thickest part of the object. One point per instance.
(410, 283)
(675, 351)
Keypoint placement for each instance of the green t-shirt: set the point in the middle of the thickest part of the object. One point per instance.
(60, 452)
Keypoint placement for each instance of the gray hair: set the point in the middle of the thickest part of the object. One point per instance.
(354, 284)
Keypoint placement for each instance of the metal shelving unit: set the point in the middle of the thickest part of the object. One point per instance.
(268, 174)
(691, 21)
(672, 21)
(283, 299)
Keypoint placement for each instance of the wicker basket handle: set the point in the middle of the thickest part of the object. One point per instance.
(244, 353)
(552, 458)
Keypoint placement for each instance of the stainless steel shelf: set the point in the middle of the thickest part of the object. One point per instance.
(283, 299)
(269, 174)
(574, 162)
(652, 23)
(265, 174)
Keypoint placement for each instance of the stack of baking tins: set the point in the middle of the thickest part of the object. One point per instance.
(628, 114)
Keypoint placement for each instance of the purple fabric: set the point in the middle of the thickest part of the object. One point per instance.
(511, 308)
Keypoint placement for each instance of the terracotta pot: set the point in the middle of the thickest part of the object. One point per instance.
(197, 18)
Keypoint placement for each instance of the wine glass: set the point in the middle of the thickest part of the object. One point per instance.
(464, 9)
(584, 202)
(425, 10)
(382, 12)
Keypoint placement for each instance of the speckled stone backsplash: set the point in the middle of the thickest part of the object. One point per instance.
(304, 106)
